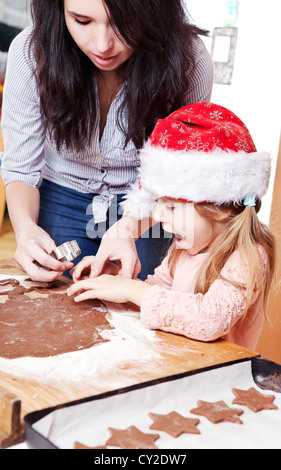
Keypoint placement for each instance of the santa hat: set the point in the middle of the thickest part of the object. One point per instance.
(201, 153)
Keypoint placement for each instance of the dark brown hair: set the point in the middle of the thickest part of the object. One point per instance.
(160, 33)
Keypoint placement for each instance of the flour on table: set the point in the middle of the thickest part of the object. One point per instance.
(128, 342)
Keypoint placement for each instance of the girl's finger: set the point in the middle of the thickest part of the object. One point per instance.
(87, 295)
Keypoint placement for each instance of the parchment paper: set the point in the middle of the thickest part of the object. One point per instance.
(88, 422)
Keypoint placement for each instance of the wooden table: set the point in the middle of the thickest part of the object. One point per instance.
(176, 354)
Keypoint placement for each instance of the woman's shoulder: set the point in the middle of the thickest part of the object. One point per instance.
(22, 40)
(198, 48)
(20, 45)
(20, 53)
(200, 73)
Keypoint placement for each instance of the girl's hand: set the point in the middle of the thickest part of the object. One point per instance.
(32, 255)
(105, 287)
(83, 270)
(109, 288)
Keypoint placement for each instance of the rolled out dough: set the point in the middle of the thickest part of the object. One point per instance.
(48, 323)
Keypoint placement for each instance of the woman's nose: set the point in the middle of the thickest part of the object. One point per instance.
(104, 39)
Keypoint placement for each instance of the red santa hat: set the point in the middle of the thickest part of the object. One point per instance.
(201, 153)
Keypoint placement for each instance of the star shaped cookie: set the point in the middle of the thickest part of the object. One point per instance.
(217, 412)
(174, 424)
(131, 438)
(254, 400)
(78, 446)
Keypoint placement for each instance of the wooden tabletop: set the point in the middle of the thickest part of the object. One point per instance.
(176, 354)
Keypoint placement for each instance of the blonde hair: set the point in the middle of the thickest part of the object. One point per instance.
(245, 232)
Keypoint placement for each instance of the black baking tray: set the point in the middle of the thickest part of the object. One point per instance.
(266, 375)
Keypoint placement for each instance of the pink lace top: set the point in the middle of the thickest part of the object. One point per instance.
(172, 306)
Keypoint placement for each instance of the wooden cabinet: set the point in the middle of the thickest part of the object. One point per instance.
(269, 345)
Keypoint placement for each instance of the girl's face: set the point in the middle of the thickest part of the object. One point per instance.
(192, 232)
(89, 26)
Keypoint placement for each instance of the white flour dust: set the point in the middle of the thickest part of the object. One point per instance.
(128, 342)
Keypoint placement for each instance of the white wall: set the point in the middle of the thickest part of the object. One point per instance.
(255, 92)
(15, 12)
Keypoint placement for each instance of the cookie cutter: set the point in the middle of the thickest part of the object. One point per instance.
(67, 251)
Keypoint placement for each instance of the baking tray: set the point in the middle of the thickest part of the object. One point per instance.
(59, 427)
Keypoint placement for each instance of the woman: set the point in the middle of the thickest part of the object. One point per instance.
(83, 89)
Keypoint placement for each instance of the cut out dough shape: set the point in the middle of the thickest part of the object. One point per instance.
(254, 400)
(174, 424)
(131, 438)
(217, 412)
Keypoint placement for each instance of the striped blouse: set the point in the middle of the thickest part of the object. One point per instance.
(105, 169)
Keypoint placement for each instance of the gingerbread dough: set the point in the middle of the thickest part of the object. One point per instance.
(254, 400)
(217, 412)
(174, 424)
(50, 324)
(131, 438)
(79, 446)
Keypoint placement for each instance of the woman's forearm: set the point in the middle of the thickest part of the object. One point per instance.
(23, 205)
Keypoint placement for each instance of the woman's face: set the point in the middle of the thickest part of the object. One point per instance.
(89, 26)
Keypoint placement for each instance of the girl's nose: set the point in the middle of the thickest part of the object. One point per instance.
(158, 213)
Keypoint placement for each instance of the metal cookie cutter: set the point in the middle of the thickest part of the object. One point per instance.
(67, 251)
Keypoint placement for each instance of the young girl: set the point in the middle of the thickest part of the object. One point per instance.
(203, 178)
(84, 87)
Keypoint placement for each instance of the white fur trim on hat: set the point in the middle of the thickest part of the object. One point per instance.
(218, 176)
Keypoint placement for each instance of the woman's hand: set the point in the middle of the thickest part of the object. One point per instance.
(118, 244)
(83, 270)
(33, 243)
(109, 288)
(32, 255)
